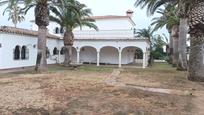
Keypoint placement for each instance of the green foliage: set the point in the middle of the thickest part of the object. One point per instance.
(168, 18)
(158, 53)
(158, 44)
(71, 14)
(138, 54)
(14, 11)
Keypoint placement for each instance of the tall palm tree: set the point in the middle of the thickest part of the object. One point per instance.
(15, 13)
(183, 31)
(196, 30)
(70, 15)
(171, 21)
(196, 26)
(183, 7)
(147, 33)
(42, 21)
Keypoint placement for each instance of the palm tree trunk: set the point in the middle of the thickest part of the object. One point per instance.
(171, 49)
(68, 43)
(196, 27)
(175, 38)
(41, 62)
(42, 20)
(68, 55)
(183, 31)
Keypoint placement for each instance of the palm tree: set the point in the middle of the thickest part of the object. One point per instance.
(42, 21)
(183, 5)
(147, 33)
(15, 13)
(183, 31)
(171, 21)
(196, 25)
(70, 15)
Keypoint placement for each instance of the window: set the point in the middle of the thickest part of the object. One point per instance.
(61, 30)
(17, 53)
(62, 50)
(134, 31)
(55, 51)
(47, 52)
(56, 30)
(24, 53)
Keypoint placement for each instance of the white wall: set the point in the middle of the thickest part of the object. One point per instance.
(128, 55)
(111, 24)
(98, 44)
(51, 44)
(74, 55)
(1, 53)
(107, 55)
(88, 54)
(9, 41)
(103, 24)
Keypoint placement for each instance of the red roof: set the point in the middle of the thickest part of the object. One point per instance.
(22, 31)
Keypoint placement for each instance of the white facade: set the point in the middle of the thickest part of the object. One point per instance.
(114, 43)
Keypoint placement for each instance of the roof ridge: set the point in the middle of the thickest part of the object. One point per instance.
(9, 29)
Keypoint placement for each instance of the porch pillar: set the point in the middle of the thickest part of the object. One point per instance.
(144, 60)
(78, 55)
(120, 59)
(98, 58)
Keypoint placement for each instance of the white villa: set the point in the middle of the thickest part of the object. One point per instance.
(114, 43)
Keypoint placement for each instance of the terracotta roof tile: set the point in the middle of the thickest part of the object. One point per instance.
(21, 31)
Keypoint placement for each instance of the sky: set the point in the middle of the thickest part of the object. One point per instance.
(99, 7)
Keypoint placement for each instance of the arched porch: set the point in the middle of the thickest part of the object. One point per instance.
(132, 55)
(109, 55)
(88, 55)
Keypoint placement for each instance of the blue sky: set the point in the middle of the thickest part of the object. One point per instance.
(100, 7)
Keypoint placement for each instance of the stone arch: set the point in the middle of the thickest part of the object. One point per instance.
(132, 55)
(88, 55)
(109, 55)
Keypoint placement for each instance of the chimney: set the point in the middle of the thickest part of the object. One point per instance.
(129, 13)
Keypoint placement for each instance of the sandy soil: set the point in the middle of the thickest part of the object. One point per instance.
(86, 93)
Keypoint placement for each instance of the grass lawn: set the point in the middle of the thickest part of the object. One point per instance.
(83, 91)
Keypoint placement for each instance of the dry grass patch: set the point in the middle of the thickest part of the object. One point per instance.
(161, 75)
(83, 91)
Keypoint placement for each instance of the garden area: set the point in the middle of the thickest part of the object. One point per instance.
(90, 90)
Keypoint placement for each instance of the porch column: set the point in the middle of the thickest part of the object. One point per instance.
(144, 60)
(120, 59)
(98, 58)
(78, 55)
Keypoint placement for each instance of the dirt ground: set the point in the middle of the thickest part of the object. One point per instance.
(84, 91)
